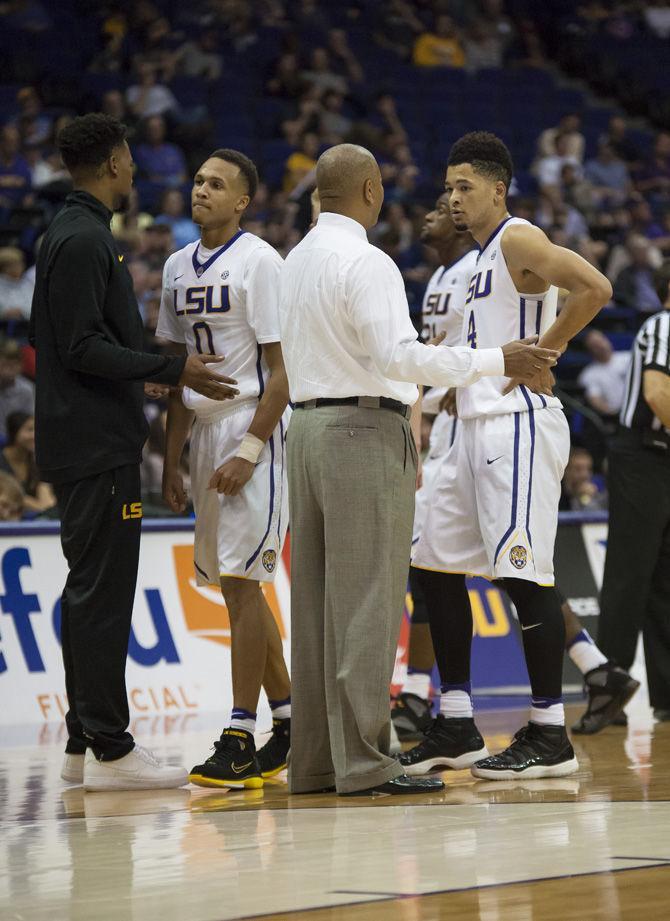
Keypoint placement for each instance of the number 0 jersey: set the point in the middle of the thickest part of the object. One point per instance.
(223, 302)
(496, 313)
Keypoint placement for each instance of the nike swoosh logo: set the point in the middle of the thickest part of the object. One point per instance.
(530, 626)
(177, 277)
(238, 768)
(494, 459)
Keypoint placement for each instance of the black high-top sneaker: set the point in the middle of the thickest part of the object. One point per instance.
(535, 751)
(233, 764)
(411, 717)
(449, 743)
(609, 688)
(272, 756)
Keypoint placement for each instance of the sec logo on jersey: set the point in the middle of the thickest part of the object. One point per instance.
(518, 556)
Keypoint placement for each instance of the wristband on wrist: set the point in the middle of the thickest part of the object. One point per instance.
(250, 449)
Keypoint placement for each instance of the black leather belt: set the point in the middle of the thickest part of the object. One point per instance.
(363, 402)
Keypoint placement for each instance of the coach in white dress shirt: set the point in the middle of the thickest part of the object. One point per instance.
(353, 362)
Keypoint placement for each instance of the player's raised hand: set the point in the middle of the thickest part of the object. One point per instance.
(174, 493)
(200, 378)
(232, 476)
(524, 360)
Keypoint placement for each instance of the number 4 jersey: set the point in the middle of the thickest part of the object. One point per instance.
(496, 313)
(223, 302)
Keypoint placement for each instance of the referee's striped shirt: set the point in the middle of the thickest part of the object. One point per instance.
(651, 352)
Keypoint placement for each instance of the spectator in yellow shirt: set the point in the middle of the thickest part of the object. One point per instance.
(440, 48)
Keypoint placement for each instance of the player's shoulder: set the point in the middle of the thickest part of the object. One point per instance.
(255, 248)
(518, 233)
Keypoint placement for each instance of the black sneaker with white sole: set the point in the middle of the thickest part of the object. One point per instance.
(609, 688)
(448, 743)
(411, 717)
(234, 763)
(535, 751)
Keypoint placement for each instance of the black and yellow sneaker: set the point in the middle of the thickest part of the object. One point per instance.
(272, 756)
(233, 764)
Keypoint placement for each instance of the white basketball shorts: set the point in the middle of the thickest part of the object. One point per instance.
(442, 436)
(493, 508)
(238, 535)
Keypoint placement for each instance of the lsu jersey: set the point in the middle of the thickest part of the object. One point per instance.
(442, 311)
(223, 302)
(496, 313)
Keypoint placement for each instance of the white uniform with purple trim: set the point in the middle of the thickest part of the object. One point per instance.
(442, 311)
(494, 502)
(225, 302)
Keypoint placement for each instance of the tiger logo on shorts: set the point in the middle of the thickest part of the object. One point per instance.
(518, 556)
(269, 560)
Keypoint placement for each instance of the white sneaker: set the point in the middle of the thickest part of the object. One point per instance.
(73, 769)
(138, 770)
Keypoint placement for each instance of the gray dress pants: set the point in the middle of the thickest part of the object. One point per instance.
(352, 474)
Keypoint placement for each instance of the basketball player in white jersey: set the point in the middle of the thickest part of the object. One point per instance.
(442, 312)
(222, 292)
(494, 507)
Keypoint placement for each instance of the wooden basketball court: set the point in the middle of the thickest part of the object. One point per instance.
(595, 845)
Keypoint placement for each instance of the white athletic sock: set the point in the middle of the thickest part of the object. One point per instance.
(545, 713)
(456, 705)
(281, 709)
(584, 653)
(418, 683)
(243, 719)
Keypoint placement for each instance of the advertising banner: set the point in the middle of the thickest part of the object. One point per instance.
(179, 652)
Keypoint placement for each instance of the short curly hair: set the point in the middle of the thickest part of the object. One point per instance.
(89, 140)
(486, 154)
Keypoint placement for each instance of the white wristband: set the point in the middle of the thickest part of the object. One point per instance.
(250, 449)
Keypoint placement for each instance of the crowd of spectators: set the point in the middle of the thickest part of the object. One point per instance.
(174, 76)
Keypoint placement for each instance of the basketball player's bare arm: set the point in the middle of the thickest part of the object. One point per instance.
(178, 427)
(533, 260)
(232, 476)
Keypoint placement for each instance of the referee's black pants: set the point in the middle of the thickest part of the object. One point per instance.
(636, 585)
(100, 536)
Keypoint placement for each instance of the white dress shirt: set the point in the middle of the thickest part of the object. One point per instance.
(345, 326)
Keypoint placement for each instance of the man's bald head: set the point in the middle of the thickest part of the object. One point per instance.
(348, 181)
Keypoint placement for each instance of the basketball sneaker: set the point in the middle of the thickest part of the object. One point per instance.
(72, 770)
(138, 770)
(535, 751)
(609, 689)
(448, 743)
(233, 764)
(411, 717)
(272, 756)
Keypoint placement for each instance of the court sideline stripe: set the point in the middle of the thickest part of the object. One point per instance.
(395, 896)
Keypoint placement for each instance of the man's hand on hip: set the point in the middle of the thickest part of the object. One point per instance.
(200, 378)
(525, 361)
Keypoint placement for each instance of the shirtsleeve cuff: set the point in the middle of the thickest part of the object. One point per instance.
(490, 362)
